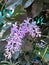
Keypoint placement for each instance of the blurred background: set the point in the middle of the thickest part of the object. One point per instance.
(34, 51)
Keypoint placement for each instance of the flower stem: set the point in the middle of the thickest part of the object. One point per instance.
(45, 52)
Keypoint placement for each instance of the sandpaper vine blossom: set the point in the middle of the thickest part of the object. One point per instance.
(14, 41)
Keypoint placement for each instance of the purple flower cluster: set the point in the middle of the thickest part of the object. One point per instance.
(17, 34)
(34, 30)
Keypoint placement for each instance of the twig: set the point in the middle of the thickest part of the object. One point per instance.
(44, 53)
(45, 36)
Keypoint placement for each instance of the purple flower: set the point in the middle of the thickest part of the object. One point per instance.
(14, 41)
(34, 30)
(17, 34)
